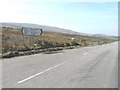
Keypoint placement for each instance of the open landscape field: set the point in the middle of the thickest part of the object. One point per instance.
(14, 42)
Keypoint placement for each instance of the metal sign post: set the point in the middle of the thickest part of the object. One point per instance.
(22, 37)
(30, 31)
(28, 40)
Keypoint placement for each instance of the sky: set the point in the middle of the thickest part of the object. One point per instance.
(87, 17)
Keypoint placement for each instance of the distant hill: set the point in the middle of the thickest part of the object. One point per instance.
(105, 36)
(55, 29)
(45, 28)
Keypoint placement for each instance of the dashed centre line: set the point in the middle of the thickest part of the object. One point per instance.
(21, 81)
(85, 53)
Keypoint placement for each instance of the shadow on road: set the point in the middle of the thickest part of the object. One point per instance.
(53, 52)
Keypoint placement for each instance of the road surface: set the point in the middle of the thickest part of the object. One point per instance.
(89, 67)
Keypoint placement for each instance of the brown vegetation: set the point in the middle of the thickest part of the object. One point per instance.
(12, 40)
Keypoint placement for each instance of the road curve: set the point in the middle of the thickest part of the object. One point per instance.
(89, 67)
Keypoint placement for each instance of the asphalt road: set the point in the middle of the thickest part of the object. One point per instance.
(89, 67)
(0, 73)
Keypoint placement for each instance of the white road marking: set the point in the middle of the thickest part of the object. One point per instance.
(21, 81)
(85, 53)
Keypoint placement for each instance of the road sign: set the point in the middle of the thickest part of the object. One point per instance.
(31, 31)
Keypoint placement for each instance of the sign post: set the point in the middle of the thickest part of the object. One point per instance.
(22, 37)
(30, 31)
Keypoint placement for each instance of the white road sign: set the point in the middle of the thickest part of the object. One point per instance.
(31, 31)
